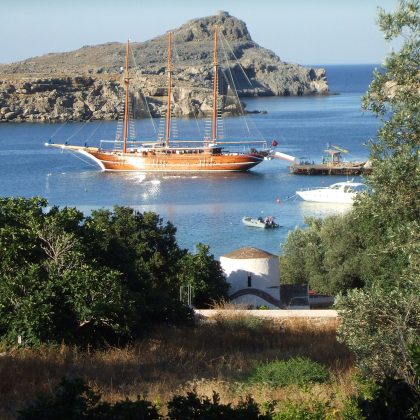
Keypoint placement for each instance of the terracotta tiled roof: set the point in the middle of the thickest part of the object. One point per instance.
(248, 252)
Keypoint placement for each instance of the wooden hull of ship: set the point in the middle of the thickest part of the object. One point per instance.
(350, 169)
(168, 162)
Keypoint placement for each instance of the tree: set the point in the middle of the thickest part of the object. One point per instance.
(301, 260)
(103, 278)
(327, 255)
(389, 218)
(376, 246)
(144, 250)
(382, 328)
(49, 291)
(136, 244)
(381, 324)
(205, 275)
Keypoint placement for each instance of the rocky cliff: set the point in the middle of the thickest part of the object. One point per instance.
(87, 83)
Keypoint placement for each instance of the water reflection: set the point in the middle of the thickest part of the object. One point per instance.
(312, 209)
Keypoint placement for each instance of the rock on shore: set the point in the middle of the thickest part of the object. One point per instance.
(87, 83)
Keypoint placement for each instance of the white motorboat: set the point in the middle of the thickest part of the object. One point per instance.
(340, 192)
(264, 223)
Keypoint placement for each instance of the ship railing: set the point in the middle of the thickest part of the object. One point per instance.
(117, 144)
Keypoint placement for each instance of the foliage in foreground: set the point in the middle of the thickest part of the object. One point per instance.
(387, 399)
(381, 324)
(312, 410)
(295, 371)
(376, 247)
(102, 278)
(74, 400)
(191, 407)
(391, 324)
(378, 241)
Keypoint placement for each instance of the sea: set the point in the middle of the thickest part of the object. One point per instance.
(204, 207)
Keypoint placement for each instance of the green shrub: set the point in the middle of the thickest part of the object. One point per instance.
(309, 411)
(193, 407)
(390, 399)
(299, 371)
(351, 410)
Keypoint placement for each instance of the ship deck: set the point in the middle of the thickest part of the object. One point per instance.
(322, 169)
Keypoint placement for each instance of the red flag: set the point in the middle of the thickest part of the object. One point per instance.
(274, 143)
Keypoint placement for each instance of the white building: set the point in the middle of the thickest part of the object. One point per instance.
(254, 277)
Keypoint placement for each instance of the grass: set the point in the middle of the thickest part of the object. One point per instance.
(295, 371)
(214, 356)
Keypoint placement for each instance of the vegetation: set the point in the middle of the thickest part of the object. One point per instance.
(75, 400)
(106, 278)
(192, 407)
(382, 322)
(205, 275)
(91, 280)
(378, 241)
(299, 371)
(371, 255)
(327, 255)
(177, 360)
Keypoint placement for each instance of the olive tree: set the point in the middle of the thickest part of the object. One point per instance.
(326, 254)
(389, 218)
(381, 323)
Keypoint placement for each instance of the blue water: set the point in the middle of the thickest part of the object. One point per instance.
(205, 208)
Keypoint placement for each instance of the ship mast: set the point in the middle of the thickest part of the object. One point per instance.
(215, 83)
(126, 85)
(168, 109)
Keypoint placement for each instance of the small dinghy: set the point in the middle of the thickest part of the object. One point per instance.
(264, 223)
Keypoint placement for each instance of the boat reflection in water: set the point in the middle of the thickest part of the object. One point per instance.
(312, 209)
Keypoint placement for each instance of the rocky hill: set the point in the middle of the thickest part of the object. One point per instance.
(87, 83)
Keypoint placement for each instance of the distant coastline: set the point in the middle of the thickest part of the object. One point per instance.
(86, 84)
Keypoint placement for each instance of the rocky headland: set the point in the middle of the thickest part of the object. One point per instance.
(87, 83)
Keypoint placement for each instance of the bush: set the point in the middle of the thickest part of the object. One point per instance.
(381, 328)
(309, 411)
(299, 371)
(75, 400)
(191, 407)
(351, 410)
(390, 399)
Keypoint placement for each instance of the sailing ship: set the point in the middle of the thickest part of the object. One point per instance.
(163, 155)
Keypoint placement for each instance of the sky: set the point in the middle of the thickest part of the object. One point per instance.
(299, 31)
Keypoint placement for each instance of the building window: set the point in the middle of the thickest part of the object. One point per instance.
(249, 280)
